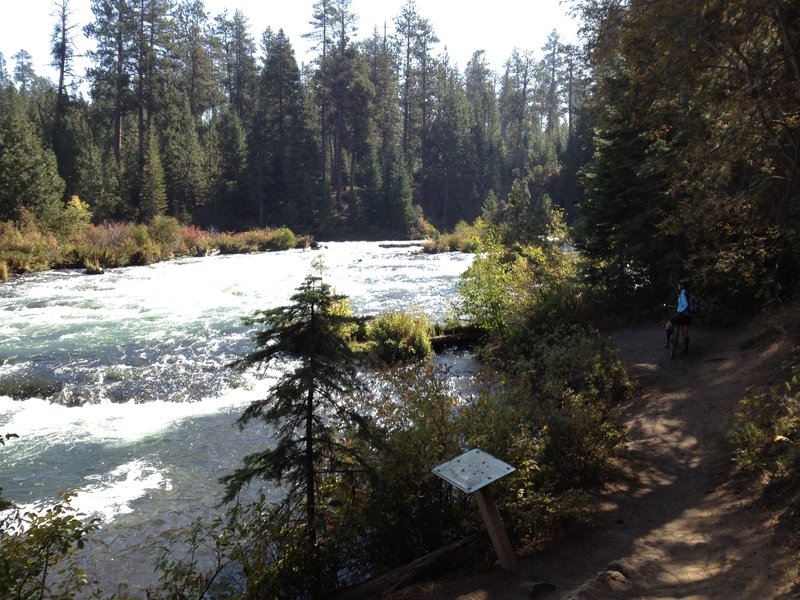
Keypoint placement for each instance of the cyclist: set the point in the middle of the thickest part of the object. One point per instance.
(681, 318)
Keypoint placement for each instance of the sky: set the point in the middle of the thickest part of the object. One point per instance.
(462, 26)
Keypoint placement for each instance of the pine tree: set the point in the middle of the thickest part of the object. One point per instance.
(183, 160)
(284, 159)
(194, 46)
(153, 200)
(28, 172)
(307, 407)
(110, 74)
(237, 50)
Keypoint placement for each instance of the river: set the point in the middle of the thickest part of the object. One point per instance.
(118, 389)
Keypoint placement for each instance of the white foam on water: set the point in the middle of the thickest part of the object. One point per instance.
(109, 495)
(110, 422)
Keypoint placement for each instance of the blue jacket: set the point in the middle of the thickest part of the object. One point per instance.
(683, 301)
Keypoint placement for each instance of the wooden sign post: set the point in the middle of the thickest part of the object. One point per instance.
(472, 472)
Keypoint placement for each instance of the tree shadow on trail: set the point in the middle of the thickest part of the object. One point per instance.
(670, 525)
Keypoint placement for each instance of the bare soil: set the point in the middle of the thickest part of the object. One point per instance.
(676, 522)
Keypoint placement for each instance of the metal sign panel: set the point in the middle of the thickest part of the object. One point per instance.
(473, 470)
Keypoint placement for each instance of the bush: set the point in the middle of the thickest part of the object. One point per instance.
(400, 337)
(118, 245)
(195, 242)
(166, 233)
(25, 247)
(398, 509)
(766, 429)
(491, 289)
(282, 239)
(34, 547)
(465, 238)
(570, 385)
(233, 243)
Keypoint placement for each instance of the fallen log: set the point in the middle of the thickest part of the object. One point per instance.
(462, 338)
(439, 561)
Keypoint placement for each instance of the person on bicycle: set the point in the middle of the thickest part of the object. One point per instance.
(681, 318)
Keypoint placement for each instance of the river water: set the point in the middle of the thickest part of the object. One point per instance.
(118, 389)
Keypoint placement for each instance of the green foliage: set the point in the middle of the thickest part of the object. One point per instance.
(35, 551)
(681, 182)
(394, 508)
(309, 408)
(508, 291)
(465, 238)
(166, 233)
(490, 288)
(198, 563)
(71, 221)
(400, 337)
(29, 176)
(281, 239)
(25, 247)
(766, 429)
(256, 240)
(119, 245)
(195, 241)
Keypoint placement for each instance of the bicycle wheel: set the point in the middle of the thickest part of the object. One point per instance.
(673, 347)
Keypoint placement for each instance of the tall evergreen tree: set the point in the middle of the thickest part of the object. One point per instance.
(194, 46)
(284, 156)
(450, 191)
(226, 153)
(153, 193)
(24, 73)
(29, 177)
(238, 61)
(307, 406)
(4, 78)
(186, 180)
(110, 74)
(517, 118)
(62, 52)
(486, 142)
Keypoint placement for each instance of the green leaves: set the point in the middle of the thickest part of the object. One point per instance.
(35, 551)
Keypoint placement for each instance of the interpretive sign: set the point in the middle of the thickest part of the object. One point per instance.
(472, 472)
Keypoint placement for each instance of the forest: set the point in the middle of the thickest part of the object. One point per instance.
(189, 116)
(667, 145)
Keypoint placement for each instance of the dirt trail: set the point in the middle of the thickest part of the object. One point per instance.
(673, 525)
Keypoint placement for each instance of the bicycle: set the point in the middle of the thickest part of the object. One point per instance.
(677, 333)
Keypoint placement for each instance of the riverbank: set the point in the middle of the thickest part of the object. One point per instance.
(677, 521)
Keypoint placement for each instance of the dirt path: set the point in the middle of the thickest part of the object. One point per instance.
(673, 525)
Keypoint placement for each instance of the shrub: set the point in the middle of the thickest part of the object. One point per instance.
(491, 288)
(400, 337)
(570, 385)
(105, 246)
(465, 238)
(35, 547)
(25, 247)
(195, 242)
(140, 246)
(118, 245)
(232, 243)
(398, 509)
(282, 239)
(256, 240)
(166, 233)
(766, 429)
(3, 271)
